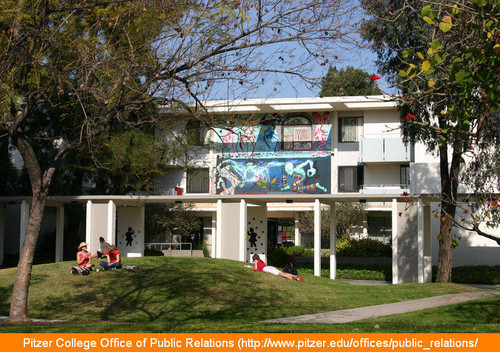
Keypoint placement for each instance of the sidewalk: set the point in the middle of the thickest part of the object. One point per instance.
(349, 315)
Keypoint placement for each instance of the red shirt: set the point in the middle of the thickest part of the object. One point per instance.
(113, 255)
(260, 265)
(86, 258)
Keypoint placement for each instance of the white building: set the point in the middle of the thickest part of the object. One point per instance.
(287, 156)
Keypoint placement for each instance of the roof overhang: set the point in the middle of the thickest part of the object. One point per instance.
(285, 105)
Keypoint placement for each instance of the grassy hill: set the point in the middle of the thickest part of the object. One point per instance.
(215, 295)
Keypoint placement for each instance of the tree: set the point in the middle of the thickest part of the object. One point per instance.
(73, 73)
(347, 216)
(348, 82)
(450, 95)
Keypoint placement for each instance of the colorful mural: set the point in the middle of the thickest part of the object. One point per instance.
(275, 157)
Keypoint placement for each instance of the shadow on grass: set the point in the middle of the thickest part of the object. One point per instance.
(168, 295)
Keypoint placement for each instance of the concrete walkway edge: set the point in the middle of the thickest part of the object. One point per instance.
(350, 315)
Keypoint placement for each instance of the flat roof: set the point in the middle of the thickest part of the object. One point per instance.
(138, 200)
(283, 105)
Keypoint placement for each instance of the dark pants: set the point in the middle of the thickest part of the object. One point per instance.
(115, 265)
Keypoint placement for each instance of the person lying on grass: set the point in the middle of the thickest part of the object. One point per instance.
(259, 265)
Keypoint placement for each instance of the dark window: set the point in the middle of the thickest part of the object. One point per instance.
(349, 129)
(297, 133)
(193, 132)
(197, 181)
(404, 175)
(350, 178)
(380, 226)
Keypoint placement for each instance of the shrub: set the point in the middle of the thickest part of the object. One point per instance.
(150, 252)
(365, 247)
(277, 257)
(480, 274)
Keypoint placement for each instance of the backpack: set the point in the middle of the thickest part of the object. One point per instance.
(289, 268)
(77, 270)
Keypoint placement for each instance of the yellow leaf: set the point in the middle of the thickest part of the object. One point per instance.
(426, 65)
(496, 47)
(489, 35)
(431, 83)
(454, 10)
(431, 51)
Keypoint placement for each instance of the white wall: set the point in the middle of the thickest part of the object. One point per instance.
(130, 218)
(381, 124)
(386, 174)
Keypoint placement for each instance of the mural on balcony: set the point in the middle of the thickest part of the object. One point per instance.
(285, 155)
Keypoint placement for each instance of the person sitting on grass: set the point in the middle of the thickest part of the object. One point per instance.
(105, 246)
(259, 265)
(114, 260)
(84, 257)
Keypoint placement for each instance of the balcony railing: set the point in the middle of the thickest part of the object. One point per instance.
(384, 189)
(385, 150)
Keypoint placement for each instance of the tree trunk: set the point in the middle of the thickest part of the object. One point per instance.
(449, 188)
(19, 304)
(40, 183)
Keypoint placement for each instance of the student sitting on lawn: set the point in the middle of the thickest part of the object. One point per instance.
(114, 260)
(259, 265)
(83, 257)
(105, 246)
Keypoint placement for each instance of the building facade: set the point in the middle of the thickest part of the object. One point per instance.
(253, 166)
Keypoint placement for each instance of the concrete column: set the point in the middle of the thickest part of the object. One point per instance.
(2, 231)
(243, 230)
(317, 237)
(111, 226)
(420, 241)
(427, 243)
(218, 236)
(59, 233)
(88, 222)
(395, 215)
(298, 235)
(333, 242)
(25, 215)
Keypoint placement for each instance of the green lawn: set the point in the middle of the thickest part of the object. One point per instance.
(208, 295)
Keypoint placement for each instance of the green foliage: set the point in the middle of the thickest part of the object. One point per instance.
(484, 275)
(348, 82)
(164, 221)
(353, 272)
(348, 214)
(135, 159)
(277, 257)
(365, 247)
(151, 252)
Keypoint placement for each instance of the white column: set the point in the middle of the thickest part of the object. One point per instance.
(427, 243)
(111, 228)
(420, 241)
(218, 237)
(317, 237)
(88, 222)
(2, 231)
(298, 235)
(25, 215)
(243, 230)
(333, 242)
(395, 215)
(59, 233)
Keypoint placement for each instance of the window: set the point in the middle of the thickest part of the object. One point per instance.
(197, 181)
(380, 226)
(193, 132)
(349, 128)
(404, 176)
(350, 178)
(297, 133)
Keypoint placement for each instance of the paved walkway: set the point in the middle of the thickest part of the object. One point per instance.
(349, 315)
